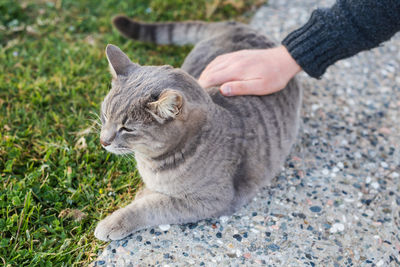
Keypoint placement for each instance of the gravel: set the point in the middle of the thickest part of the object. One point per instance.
(336, 201)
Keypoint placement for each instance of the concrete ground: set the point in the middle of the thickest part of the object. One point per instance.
(337, 200)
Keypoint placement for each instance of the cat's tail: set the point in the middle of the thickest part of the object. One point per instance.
(178, 33)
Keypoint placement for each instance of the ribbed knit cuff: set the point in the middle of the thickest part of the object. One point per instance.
(315, 46)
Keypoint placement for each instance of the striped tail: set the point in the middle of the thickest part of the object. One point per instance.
(178, 33)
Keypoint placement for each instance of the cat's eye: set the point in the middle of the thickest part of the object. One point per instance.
(126, 129)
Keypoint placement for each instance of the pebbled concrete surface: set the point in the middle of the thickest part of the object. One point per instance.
(337, 200)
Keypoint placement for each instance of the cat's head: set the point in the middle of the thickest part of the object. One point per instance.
(149, 109)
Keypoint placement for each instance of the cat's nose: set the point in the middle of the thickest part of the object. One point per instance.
(104, 143)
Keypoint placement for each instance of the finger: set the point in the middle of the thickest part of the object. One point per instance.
(208, 73)
(217, 63)
(209, 79)
(249, 87)
(220, 63)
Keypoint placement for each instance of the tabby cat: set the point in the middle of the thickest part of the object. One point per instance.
(200, 154)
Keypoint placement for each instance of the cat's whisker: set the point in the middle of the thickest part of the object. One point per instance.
(96, 125)
(95, 114)
(96, 118)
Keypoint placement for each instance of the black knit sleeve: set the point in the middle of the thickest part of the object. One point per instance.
(348, 27)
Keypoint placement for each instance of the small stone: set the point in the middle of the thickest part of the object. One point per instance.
(325, 171)
(340, 227)
(398, 200)
(238, 237)
(192, 225)
(139, 238)
(273, 247)
(224, 219)
(274, 227)
(258, 218)
(384, 164)
(101, 262)
(395, 175)
(380, 263)
(337, 227)
(315, 209)
(327, 226)
(368, 180)
(231, 255)
(247, 255)
(314, 107)
(219, 235)
(238, 253)
(375, 185)
(254, 230)
(164, 227)
(301, 215)
(260, 227)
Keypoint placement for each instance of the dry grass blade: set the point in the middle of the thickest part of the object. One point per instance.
(211, 7)
(75, 214)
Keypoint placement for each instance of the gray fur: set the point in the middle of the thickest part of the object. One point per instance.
(200, 154)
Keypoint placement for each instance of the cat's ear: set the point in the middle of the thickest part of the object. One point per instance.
(119, 62)
(168, 106)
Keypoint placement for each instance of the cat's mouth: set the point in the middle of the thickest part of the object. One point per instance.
(118, 150)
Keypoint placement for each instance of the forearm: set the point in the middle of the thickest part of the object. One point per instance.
(342, 31)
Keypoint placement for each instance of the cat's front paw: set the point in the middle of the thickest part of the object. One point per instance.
(114, 227)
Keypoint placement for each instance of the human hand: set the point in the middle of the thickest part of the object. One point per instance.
(251, 72)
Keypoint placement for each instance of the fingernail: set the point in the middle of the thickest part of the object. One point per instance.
(226, 90)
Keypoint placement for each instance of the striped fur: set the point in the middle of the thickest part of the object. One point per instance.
(210, 154)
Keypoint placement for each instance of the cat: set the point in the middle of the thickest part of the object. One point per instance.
(200, 154)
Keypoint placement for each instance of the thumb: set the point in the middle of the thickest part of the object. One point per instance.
(240, 88)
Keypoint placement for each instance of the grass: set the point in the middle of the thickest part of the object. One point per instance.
(56, 181)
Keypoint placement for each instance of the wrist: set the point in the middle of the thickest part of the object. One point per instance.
(289, 65)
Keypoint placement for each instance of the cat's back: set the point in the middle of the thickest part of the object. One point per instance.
(225, 37)
(263, 127)
(234, 36)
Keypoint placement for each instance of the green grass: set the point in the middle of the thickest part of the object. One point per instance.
(56, 181)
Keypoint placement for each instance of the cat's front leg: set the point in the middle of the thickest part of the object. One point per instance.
(153, 209)
(117, 225)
